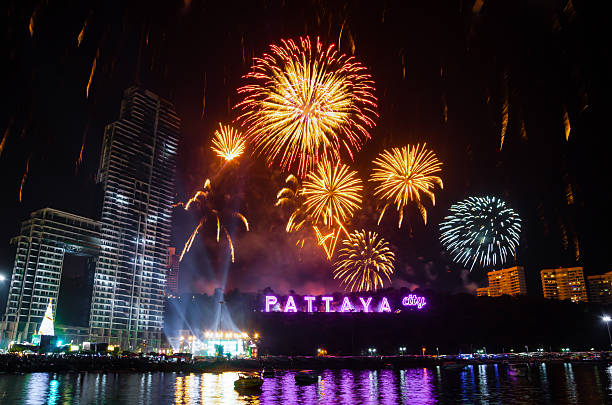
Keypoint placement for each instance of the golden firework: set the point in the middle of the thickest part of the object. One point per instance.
(331, 197)
(332, 194)
(364, 261)
(307, 103)
(403, 174)
(228, 143)
(202, 199)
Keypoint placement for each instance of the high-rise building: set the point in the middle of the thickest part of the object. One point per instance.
(172, 276)
(137, 170)
(600, 288)
(509, 281)
(43, 242)
(564, 284)
(127, 248)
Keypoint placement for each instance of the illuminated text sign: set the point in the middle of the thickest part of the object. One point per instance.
(326, 303)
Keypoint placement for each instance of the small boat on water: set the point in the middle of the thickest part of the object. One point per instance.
(248, 381)
(452, 365)
(268, 372)
(517, 370)
(306, 377)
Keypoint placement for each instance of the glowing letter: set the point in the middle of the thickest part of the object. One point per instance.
(384, 305)
(421, 302)
(346, 305)
(328, 301)
(309, 300)
(290, 305)
(414, 301)
(366, 304)
(271, 300)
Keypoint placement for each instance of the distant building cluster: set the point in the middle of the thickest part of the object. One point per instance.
(558, 284)
(127, 248)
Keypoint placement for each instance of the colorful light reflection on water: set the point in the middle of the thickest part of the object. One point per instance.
(544, 384)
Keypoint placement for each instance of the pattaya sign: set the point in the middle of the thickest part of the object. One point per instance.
(363, 304)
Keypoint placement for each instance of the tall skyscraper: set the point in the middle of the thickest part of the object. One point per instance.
(137, 170)
(172, 276)
(127, 248)
(564, 284)
(509, 281)
(600, 288)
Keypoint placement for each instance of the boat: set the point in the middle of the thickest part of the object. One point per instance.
(306, 377)
(248, 381)
(452, 365)
(517, 370)
(268, 372)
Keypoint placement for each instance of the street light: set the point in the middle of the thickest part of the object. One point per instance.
(607, 320)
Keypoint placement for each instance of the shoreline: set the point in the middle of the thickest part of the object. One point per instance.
(103, 363)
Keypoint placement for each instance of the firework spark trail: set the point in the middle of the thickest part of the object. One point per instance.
(402, 174)
(566, 124)
(306, 103)
(24, 178)
(79, 161)
(481, 230)
(364, 260)
(91, 74)
(82, 33)
(228, 143)
(291, 195)
(5, 136)
(202, 199)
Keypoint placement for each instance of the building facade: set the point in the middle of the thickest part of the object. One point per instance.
(42, 243)
(137, 170)
(128, 246)
(600, 288)
(509, 281)
(172, 275)
(564, 284)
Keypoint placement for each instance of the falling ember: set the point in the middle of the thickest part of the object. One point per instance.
(80, 158)
(307, 103)
(364, 260)
(566, 124)
(504, 123)
(523, 131)
(81, 34)
(445, 108)
(23, 179)
(569, 194)
(91, 74)
(402, 174)
(576, 248)
(5, 137)
(202, 199)
(228, 143)
(32, 23)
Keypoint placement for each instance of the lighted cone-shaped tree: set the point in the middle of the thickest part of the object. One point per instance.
(46, 326)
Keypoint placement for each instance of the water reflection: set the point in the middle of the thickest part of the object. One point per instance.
(486, 384)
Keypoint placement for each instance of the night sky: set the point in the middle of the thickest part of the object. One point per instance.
(443, 73)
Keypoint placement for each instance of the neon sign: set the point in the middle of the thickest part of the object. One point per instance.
(272, 304)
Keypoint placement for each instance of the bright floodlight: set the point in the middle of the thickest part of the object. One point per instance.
(2, 278)
(606, 318)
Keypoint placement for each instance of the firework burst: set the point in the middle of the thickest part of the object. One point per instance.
(402, 174)
(481, 230)
(228, 143)
(291, 196)
(364, 261)
(307, 103)
(204, 201)
(331, 197)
